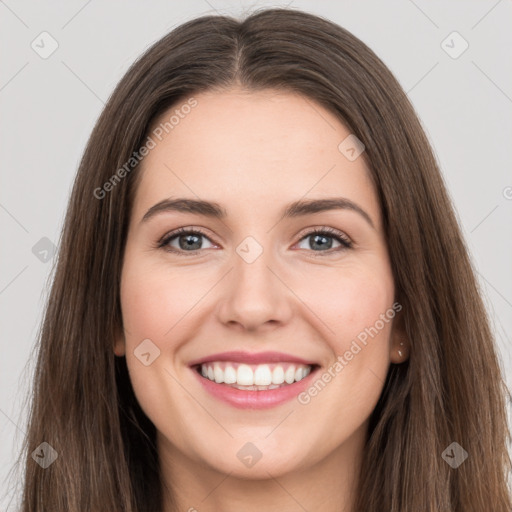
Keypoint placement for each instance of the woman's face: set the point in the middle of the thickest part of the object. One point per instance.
(257, 295)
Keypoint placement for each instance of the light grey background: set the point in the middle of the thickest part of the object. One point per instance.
(49, 106)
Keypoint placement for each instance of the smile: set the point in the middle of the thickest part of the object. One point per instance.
(254, 377)
(254, 381)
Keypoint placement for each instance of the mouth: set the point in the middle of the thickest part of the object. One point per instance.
(252, 377)
(253, 382)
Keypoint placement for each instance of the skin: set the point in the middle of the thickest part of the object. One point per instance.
(253, 153)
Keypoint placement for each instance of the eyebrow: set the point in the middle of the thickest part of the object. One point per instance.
(214, 210)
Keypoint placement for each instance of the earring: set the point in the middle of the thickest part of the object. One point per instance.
(400, 352)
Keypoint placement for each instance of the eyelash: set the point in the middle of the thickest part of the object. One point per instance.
(330, 232)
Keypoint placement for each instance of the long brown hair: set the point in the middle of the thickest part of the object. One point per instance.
(450, 390)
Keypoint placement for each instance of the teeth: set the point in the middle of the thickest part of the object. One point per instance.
(229, 374)
(244, 375)
(289, 375)
(254, 377)
(263, 375)
(218, 374)
(278, 375)
(255, 388)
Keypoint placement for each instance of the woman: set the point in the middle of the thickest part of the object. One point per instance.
(260, 371)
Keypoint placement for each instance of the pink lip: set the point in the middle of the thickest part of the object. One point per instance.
(252, 358)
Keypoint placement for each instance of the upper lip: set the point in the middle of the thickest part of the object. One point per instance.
(252, 358)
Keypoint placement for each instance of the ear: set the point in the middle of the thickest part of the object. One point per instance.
(119, 343)
(400, 346)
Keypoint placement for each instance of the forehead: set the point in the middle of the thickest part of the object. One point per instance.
(249, 150)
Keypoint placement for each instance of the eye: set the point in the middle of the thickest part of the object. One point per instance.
(321, 238)
(188, 240)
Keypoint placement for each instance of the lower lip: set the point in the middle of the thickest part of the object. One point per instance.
(263, 399)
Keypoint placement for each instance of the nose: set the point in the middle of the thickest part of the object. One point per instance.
(255, 296)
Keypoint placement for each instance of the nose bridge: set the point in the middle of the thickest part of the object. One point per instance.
(252, 261)
(251, 264)
(255, 294)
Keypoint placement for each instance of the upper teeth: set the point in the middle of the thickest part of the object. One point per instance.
(259, 375)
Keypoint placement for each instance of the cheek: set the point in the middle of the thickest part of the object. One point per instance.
(359, 312)
(350, 301)
(154, 299)
(154, 302)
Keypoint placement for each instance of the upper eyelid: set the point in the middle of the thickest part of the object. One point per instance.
(180, 231)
